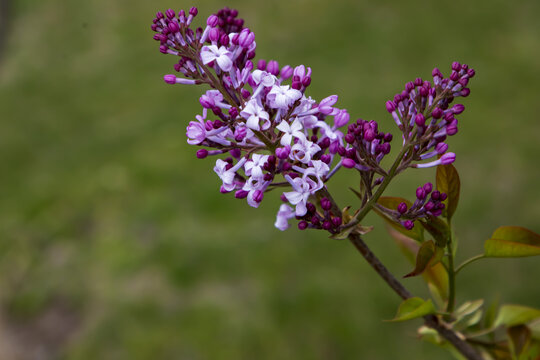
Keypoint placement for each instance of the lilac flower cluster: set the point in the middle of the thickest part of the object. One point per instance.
(259, 116)
(422, 112)
(423, 206)
(271, 134)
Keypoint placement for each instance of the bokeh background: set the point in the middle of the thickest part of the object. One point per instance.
(115, 242)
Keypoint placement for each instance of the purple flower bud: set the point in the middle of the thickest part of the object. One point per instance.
(326, 204)
(212, 21)
(408, 224)
(302, 225)
(420, 120)
(311, 208)
(342, 118)
(388, 137)
(429, 206)
(385, 148)
(159, 15)
(441, 148)
(272, 67)
(327, 225)
(324, 143)
(402, 208)
(448, 158)
(454, 76)
(437, 113)
(283, 153)
(286, 167)
(241, 194)
(409, 86)
(436, 72)
(420, 193)
(435, 195)
(349, 138)
(193, 11)
(390, 106)
(424, 92)
(315, 220)
(306, 81)
(337, 221)
(451, 129)
(224, 39)
(418, 82)
(297, 85)
(245, 93)
(170, 13)
(369, 135)
(348, 163)
(173, 27)
(443, 197)
(170, 79)
(471, 73)
(286, 72)
(236, 153)
(456, 66)
(458, 109)
(326, 158)
(202, 153)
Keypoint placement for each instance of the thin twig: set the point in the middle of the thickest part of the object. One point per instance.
(430, 320)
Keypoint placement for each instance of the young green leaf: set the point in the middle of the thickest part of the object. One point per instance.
(512, 241)
(512, 315)
(448, 182)
(436, 276)
(428, 255)
(413, 308)
(438, 229)
(416, 233)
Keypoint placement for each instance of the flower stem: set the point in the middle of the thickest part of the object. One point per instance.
(451, 274)
(373, 200)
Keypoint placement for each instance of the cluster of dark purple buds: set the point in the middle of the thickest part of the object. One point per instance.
(262, 123)
(367, 146)
(423, 113)
(322, 218)
(424, 206)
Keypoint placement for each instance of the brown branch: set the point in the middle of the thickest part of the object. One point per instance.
(430, 320)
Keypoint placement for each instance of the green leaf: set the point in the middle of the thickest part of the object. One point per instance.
(413, 308)
(468, 314)
(512, 241)
(520, 338)
(416, 233)
(438, 229)
(448, 182)
(512, 315)
(428, 255)
(436, 276)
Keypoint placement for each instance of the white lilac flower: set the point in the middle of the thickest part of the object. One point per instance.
(302, 189)
(227, 175)
(319, 170)
(290, 131)
(262, 79)
(282, 219)
(304, 150)
(254, 166)
(255, 188)
(221, 56)
(254, 114)
(282, 97)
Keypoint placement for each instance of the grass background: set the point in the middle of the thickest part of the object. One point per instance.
(116, 244)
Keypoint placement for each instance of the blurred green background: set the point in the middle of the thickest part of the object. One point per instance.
(115, 242)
